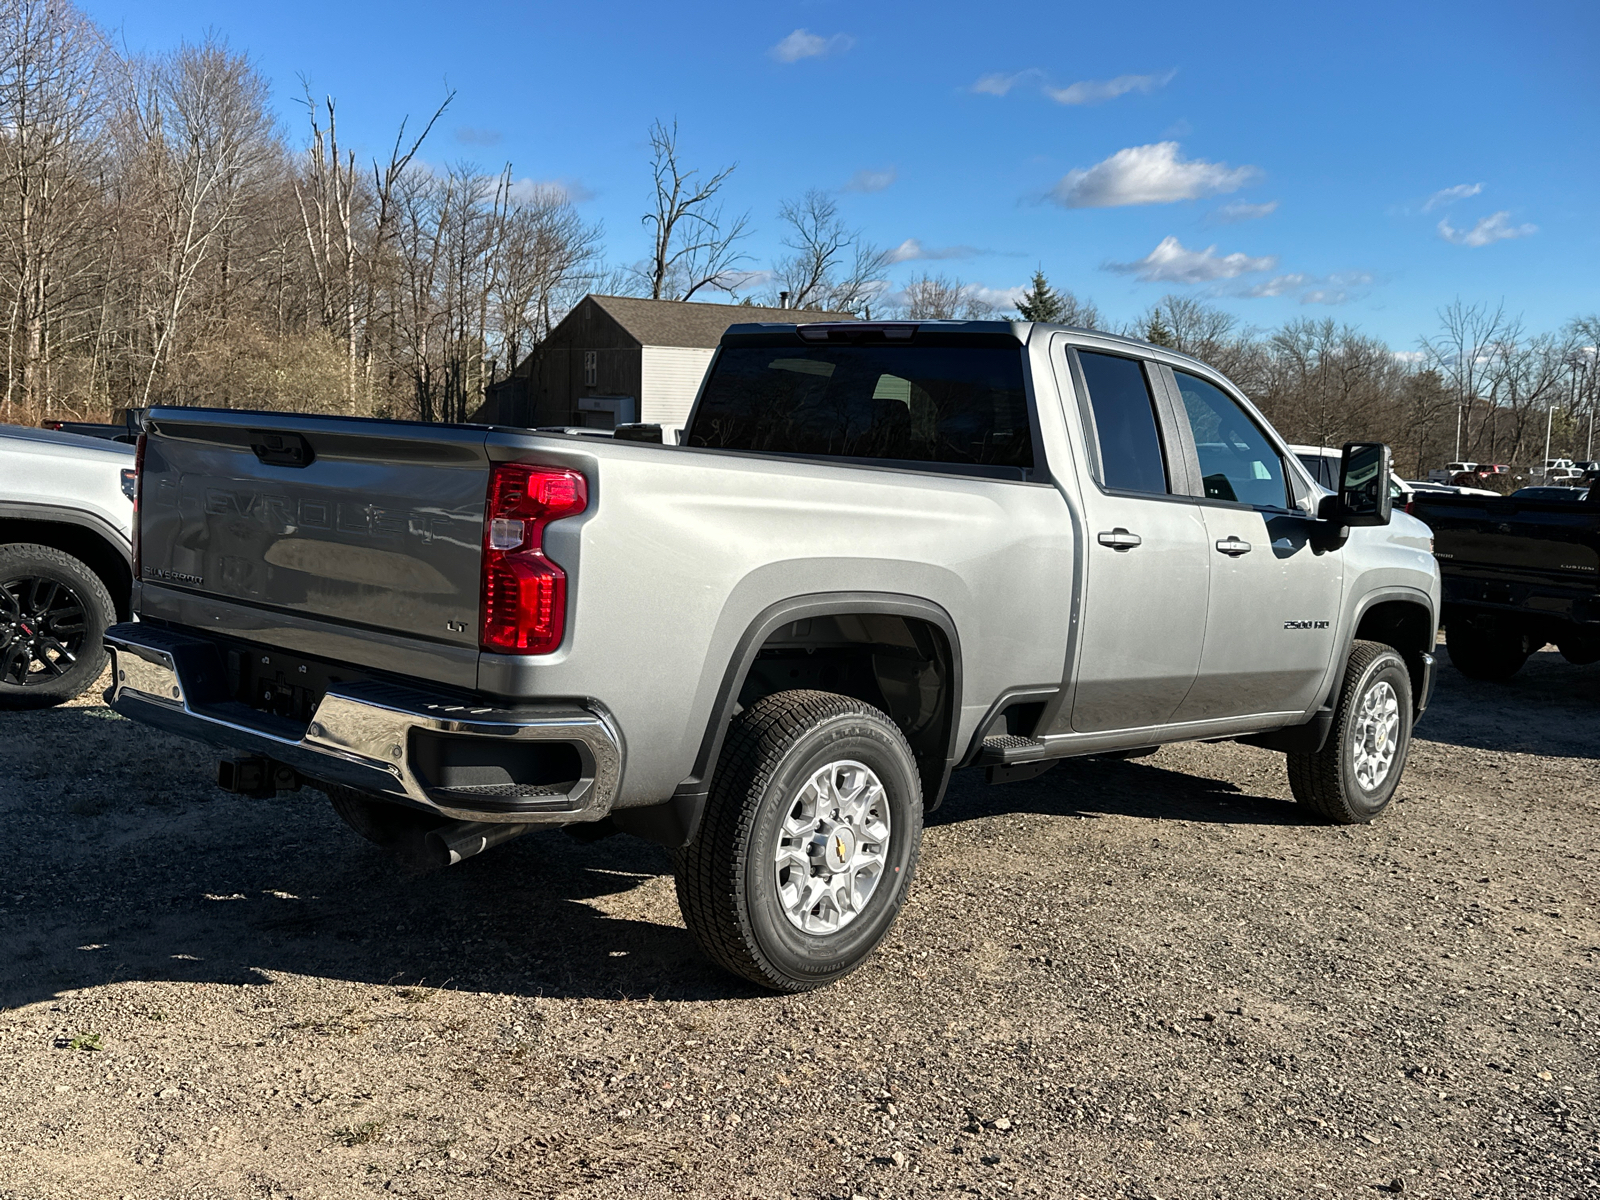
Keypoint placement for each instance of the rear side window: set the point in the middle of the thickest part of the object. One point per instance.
(1237, 462)
(930, 404)
(1125, 423)
(1321, 468)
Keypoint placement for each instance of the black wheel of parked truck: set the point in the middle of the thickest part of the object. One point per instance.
(54, 613)
(1351, 780)
(1486, 650)
(808, 842)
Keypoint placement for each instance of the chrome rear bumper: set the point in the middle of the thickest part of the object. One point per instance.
(365, 735)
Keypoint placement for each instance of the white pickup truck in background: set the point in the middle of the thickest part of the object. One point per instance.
(66, 554)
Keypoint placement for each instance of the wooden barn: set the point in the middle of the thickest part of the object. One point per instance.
(618, 359)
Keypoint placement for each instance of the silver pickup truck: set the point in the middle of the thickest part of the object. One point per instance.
(881, 553)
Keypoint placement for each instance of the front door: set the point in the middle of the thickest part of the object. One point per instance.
(1146, 561)
(1275, 596)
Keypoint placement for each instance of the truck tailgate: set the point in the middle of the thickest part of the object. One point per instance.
(1550, 537)
(372, 524)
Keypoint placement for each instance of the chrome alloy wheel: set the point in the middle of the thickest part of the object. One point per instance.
(1377, 735)
(832, 847)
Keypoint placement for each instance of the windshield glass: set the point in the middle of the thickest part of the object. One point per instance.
(931, 404)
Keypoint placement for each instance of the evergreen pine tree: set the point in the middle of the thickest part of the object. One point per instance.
(1156, 332)
(1041, 302)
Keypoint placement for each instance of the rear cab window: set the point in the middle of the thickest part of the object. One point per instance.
(1130, 453)
(955, 406)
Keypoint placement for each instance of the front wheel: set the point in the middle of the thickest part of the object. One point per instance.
(808, 842)
(1351, 780)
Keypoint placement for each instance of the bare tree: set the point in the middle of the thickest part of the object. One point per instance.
(53, 68)
(201, 116)
(1459, 352)
(833, 266)
(929, 297)
(695, 242)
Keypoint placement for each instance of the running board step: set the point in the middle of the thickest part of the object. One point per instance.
(1003, 748)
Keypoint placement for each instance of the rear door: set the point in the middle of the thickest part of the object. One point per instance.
(1143, 611)
(1273, 611)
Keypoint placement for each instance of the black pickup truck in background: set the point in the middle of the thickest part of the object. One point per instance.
(1520, 572)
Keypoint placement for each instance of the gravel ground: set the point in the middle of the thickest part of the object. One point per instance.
(1121, 979)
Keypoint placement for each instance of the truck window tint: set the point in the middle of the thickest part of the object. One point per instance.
(1125, 423)
(932, 404)
(1319, 467)
(1237, 462)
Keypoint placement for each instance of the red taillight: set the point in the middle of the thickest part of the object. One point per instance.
(524, 593)
(138, 490)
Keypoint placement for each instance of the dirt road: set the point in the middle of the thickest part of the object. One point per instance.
(1130, 979)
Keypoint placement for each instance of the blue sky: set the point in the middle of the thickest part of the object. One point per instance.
(1369, 162)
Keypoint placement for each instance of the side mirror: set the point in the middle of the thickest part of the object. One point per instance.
(1364, 496)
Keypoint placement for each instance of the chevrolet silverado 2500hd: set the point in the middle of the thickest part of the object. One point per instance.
(881, 552)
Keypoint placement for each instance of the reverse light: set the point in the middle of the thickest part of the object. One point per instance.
(524, 593)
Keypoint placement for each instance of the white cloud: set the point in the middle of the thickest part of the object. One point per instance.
(911, 250)
(802, 43)
(1409, 357)
(525, 191)
(1493, 228)
(1002, 298)
(1172, 262)
(1098, 91)
(866, 180)
(1001, 82)
(1154, 174)
(1229, 214)
(1451, 194)
(1311, 289)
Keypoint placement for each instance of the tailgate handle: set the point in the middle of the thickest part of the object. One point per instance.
(281, 449)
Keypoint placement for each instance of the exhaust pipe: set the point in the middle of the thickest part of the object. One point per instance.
(450, 844)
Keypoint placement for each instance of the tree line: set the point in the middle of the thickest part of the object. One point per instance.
(164, 238)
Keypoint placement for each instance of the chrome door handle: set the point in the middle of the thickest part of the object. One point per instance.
(1120, 539)
(1233, 547)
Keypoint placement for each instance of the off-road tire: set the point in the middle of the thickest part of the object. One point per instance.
(1325, 780)
(727, 889)
(394, 827)
(1490, 654)
(24, 560)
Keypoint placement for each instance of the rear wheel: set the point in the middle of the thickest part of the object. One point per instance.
(1351, 780)
(808, 842)
(1490, 652)
(54, 612)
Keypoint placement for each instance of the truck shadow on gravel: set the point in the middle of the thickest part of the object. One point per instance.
(1550, 707)
(139, 869)
(1089, 787)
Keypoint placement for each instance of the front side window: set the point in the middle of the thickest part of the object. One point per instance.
(1131, 459)
(1237, 462)
(931, 404)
